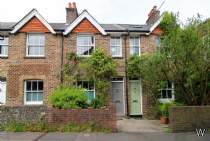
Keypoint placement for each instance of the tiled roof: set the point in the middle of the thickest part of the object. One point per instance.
(5, 27)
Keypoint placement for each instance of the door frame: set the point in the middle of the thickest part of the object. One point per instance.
(121, 81)
(141, 93)
(4, 82)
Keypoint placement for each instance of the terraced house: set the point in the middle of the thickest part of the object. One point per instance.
(33, 51)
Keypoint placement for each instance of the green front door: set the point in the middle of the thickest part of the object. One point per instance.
(135, 92)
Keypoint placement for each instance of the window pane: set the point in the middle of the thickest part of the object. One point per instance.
(85, 85)
(34, 86)
(40, 96)
(28, 96)
(164, 94)
(90, 96)
(28, 86)
(169, 92)
(40, 86)
(91, 86)
(115, 46)
(34, 96)
(3, 50)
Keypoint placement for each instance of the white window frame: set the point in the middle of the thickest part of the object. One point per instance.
(165, 100)
(5, 45)
(120, 55)
(33, 102)
(132, 46)
(27, 45)
(85, 34)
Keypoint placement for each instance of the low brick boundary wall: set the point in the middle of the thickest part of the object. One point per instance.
(21, 113)
(106, 117)
(189, 118)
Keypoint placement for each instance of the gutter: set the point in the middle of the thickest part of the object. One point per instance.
(62, 59)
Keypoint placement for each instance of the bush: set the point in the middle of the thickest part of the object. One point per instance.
(98, 102)
(64, 98)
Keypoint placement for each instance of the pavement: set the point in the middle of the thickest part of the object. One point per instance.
(102, 137)
(140, 126)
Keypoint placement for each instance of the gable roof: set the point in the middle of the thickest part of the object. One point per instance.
(28, 17)
(81, 17)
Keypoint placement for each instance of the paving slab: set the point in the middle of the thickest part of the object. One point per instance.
(140, 126)
(22, 136)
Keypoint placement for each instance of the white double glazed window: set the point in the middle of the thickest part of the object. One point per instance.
(85, 44)
(167, 92)
(135, 46)
(33, 91)
(4, 44)
(116, 46)
(35, 45)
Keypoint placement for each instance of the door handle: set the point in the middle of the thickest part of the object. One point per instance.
(135, 100)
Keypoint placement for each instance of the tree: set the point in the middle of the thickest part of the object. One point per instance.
(183, 58)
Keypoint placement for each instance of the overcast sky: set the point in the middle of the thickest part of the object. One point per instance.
(104, 11)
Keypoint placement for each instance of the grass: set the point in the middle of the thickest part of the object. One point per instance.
(42, 126)
(167, 130)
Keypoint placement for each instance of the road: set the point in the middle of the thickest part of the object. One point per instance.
(102, 137)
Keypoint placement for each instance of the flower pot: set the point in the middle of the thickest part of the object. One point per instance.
(164, 120)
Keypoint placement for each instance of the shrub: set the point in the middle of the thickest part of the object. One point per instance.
(98, 102)
(64, 98)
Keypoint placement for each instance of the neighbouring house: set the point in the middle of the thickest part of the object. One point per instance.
(33, 51)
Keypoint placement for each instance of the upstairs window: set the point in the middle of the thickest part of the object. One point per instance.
(85, 45)
(167, 92)
(89, 88)
(34, 91)
(157, 42)
(134, 46)
(116, 47)
(4, 44)
(35, 45)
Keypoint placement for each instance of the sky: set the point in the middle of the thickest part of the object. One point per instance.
(104, 11)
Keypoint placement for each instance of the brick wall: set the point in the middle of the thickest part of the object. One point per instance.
(21, 113)
(17, 67)
(106, 117)
(189, 118)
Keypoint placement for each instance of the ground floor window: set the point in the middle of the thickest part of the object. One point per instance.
(33, 90)
(167, 92)
(89, 88)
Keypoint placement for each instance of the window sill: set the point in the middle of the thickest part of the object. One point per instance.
(33, 103)
(3, 57)
(34, 57)
(117, 57)
(166, 100)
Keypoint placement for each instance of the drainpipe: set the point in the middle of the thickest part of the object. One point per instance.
(62, 52)
(126, 77)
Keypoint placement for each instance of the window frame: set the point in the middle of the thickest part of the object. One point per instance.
(165, 100)
(25, 93)
(27, 44)
(85, 34)
(132, 46)
(94, 89)
(120, 38)
(5, 45)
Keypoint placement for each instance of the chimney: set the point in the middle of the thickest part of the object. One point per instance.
(71, 13)
(153, 16)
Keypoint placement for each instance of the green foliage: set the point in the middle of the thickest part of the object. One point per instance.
(101, 68)
(134, 67)
(98, 102)
(183, 58)
(65, 97)
(164, 109)
(42, 126)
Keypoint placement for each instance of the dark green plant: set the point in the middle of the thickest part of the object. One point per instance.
(98, 102)
(65, 97)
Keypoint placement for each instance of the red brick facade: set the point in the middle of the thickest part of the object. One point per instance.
(17, 67)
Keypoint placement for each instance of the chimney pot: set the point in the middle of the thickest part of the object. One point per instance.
(153, 16)
(69, 5)
(74, 5)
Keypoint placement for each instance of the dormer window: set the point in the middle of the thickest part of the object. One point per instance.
(35, 45)
(4, 44)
